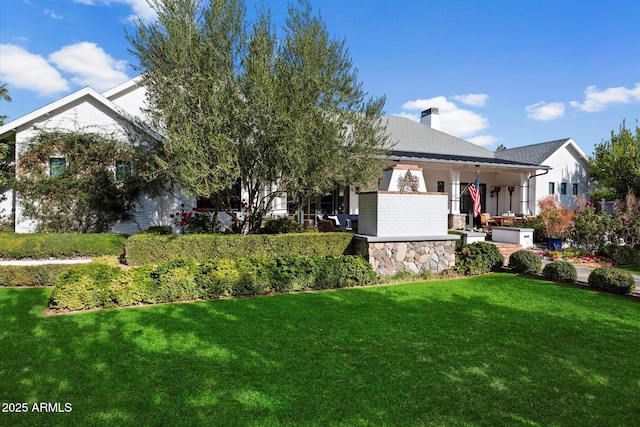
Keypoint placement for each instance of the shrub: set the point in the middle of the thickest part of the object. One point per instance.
(83, 287)
(524, 261)
(17, 246)
(590, 227)
(340, 272)
(560, 271)
(478, 258)
(95, 285)
(621, 255)
(459, 242)
(611, 280)
(294, 273)
(158, 229)
(131, 287)
(30, 275)
(176, 280)
(557, 220)
(281, 225)
(110, 260)
(153, 249)
(218, 277)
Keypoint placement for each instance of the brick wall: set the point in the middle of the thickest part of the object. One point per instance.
(402, 214)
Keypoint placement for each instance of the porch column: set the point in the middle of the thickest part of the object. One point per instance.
(454, 176)
(524, 193)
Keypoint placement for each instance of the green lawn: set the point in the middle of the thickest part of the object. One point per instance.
(495, 350)
(633, 269)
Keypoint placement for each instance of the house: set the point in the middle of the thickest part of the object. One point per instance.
(510, 180)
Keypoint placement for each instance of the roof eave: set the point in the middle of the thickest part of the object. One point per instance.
(474, 163)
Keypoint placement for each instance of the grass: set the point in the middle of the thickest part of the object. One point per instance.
(490, 350)
(633, 269)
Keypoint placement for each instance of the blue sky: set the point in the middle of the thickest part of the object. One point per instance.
(502, 72)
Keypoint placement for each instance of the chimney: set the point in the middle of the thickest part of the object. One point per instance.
(431, 118)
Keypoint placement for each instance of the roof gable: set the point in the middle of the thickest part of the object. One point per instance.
(535, 153)
(60, 104)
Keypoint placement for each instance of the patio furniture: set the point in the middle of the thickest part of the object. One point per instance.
(327, 225)
(486, 220)
(508, 220)
(497, 220)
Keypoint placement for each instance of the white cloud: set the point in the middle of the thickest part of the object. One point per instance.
(141, 9)
(26, 70)
(90, 65)
(453, 120)
(543, 112)
(52, 14)
(595, 100)
(473, 99)
(483, 140)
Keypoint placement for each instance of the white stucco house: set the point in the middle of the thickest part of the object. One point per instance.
(510, 180)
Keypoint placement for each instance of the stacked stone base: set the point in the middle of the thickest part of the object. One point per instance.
(389, 257)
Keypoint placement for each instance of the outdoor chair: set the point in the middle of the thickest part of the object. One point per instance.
(486, 221)
(327, 225)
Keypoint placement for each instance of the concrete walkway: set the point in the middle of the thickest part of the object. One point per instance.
(45, 261)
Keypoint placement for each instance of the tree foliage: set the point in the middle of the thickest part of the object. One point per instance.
(90, 194)
(616, 163)
(6, 153)
(279, 111)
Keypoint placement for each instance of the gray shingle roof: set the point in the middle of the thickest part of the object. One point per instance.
(415, 140)
(410, 136)
(536, 153)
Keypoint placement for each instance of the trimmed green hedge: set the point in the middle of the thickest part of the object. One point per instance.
(611, 280)
(621, 255)
(560, 271)
(30, 275)
(152, 249)
(39, 246)
(524, 261)
(478, 258)
(99, 285)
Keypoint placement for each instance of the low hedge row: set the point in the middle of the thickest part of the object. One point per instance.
(100, 285)
(144, 249)
(30, 275)
(39, 246)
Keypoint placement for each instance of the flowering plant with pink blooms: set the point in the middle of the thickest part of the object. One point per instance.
(573, 257)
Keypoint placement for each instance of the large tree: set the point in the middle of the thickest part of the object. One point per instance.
(615, 163)
(281, 112)
(6, 151)
(189, 62)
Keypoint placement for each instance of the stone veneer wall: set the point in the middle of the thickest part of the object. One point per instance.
(388, 258)
(457, 221)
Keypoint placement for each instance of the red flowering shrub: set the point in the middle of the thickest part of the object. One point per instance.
(195, 221)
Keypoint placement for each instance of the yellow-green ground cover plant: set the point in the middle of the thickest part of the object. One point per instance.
(99, 285)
